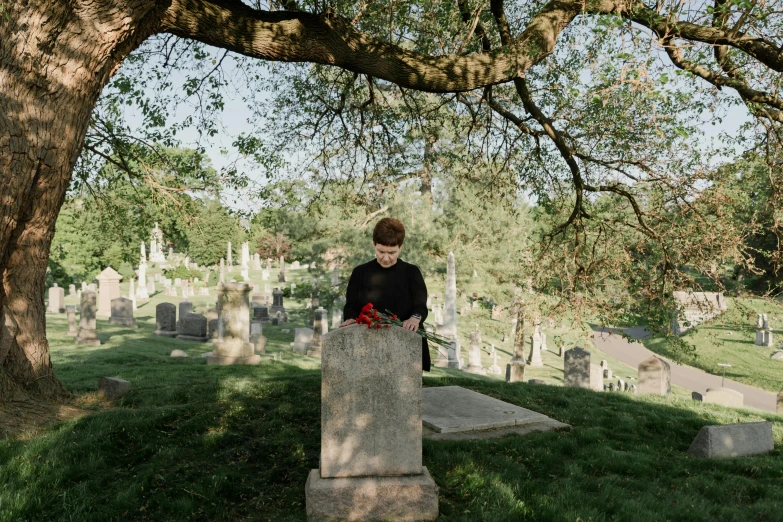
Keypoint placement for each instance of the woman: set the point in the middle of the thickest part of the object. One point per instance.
(389, 283)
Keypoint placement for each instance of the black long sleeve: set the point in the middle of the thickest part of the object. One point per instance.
(400, 289)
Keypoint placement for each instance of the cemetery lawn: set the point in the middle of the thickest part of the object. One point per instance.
(192, 442)
(729, 339)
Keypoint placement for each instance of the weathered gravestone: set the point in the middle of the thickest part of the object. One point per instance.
(185, 307)
(109, 290)
(71, 289)
(724, 397)
(474, 355)
(371, 430)
(515, 369)
(166, 320)
(277, 302)
(56, 300)
(320, 327)
(579, 373)
(87, 333)
(233, 345)
(111, 388)
(534, 360)
(261, 314)
(303, 337)
(70, 311)
(733, 440)
(193, 327)
(122, 313)
(655, 376)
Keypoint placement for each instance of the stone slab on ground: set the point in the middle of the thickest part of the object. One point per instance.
(404, 498)
(733, 440)
(113, 387)
(453, 409)
(496, 433)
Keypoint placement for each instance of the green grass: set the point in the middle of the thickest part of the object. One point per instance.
(197, 442)
(729, 339)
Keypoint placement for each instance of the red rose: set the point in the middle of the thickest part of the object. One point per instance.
(367, 308)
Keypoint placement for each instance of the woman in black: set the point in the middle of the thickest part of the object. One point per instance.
(389, 283)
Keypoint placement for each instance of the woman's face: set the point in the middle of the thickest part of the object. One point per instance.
(386, 255)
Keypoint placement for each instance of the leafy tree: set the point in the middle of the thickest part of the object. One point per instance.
(273, 245)
(209, 233)
(498, 61)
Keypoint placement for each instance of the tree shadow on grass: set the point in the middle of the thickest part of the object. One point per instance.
(198, 442)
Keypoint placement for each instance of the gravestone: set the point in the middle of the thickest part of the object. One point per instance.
(193, 327)
(724, 397)
(70, 311)
(494, 369)
(303, 337)
(122, 313)
(185, 307)
(233, 344)
(767, 333)
(576, 370)
(109, 290)
(166, 320)
(87, 333)
(178, 353)
(759, 330)
(111, 388)
(655, 376)
(261, 314)
(150, 287)
(733, 440)
(515, 369)
(534, 360)
(229, 259)
(71, 289)
(474, 355)
(607, 373)
(371, 430)
(320, 327)
(281, 275)
(56, 300)
(337, 318)
(779, 406)
(277, 302)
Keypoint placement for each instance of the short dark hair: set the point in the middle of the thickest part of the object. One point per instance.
(389, 232)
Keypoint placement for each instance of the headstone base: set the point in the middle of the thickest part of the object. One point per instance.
(192, 338)
(87, 337)
(166, 333)
(227, 360)
(478, 370)
(405, 498)
(130, 322)
(515, 371)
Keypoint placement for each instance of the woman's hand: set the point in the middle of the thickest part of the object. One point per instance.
(411, 324)
(348, 322)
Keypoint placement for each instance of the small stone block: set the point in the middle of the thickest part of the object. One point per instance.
(724, 397)
(178, 353)
(405, 498)
(113, 387)
(733, 440)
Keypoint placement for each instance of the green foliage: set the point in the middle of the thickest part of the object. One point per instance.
(178, 272)
(212, 227)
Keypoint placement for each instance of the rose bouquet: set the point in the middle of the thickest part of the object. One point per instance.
(375, 319)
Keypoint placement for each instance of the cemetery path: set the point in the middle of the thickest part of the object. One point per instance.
(632, 353)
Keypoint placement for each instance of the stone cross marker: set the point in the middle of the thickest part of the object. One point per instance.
(655, 376)
(233, 345)
(108, 290)
(87, 333)
(371, 449)
(56, 300)
(122, 313)
(166, 320)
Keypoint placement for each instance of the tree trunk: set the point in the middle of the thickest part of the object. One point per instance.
(53, 66)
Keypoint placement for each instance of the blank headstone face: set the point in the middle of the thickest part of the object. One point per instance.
(194, 325)
(577, 368)
(655, 376)
(370, 403)
(166, 317)
(235, 312)
(56, 299)
(88, 310)
(122, 307)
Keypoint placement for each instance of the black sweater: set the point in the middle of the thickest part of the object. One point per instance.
(399, 289)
